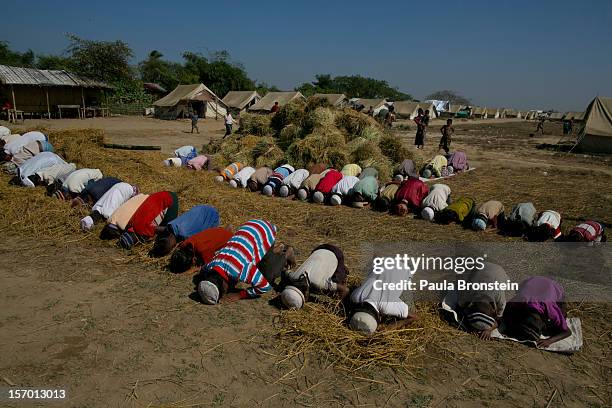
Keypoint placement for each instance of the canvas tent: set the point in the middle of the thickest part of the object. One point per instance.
(555, 116)
(187, 98)
(376, 104)
(40, 91)
(433, 112)
(455, 107)
(241, 100)
(406, 109)
(337, 100)
(492, 113)
(596, 135)
(441, 106)
(578, 116)
(265, 104)
(478, 112)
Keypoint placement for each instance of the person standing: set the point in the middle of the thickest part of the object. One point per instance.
(419, 140)
(447, 134)
(540, 127)
(275, 108)
(229, 122)
(194, 122)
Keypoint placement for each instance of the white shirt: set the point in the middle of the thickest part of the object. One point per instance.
(243, 176)
(386, 302)
(17, 144)
(57, 171)
(549, 217)
(113, 199)
(295, 179)
(229, 120)
(437, 197)
(77, 180)
(345, 185)
(320, 267)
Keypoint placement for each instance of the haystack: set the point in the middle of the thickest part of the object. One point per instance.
(324, 146)
(392, 147)
(254, 124)
(292, 113)
(266, 153)
(353, 122)
(288, 135)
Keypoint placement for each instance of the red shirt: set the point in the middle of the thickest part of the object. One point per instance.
(143, 220)
(275, 108)
(207, 242)
(413, 191)
(331, 178)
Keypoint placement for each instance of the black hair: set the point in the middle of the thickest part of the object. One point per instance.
(96, 216)
(181, 259)
(446, 217)
(162, 245)
(53, 187)
(109, 232)
(303, 283)
(540, 233)
(381, 204)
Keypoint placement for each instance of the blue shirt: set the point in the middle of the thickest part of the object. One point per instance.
(197, 219)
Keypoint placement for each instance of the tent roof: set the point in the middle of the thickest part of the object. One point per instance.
(598, 117)
(556, 115)
(492, 111)
(509, 111)
(239, 99)
(456, 107)
(46, 77)
(405, 107)
(478, 110)
(575, 115)
(333, 99)
(283, 98)
(374, 103)
(192, 92)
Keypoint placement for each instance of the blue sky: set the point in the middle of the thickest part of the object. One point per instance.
(523, 54)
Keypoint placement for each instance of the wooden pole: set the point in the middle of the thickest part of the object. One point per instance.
(14, 103)
(83, 100)
(48, 107)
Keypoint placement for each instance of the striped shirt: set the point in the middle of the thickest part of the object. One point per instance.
(591, 231)
(237, 260)
(230, 171)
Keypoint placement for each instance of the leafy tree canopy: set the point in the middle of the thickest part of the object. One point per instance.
(452, 96)
(354, 86)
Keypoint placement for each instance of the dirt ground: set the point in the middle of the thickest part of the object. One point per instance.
(77, 314)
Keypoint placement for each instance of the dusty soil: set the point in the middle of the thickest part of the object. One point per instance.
(77, 314)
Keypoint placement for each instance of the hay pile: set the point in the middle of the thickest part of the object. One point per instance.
(320, 328)
(303, 133)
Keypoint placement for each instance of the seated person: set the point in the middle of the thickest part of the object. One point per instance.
(242, 177)
(434, 167)
(120, 218)
(259, 178)
(459, 211)
(375, 304)
(94, 191)
(76, 182)
(407, 169)
(196, 219)
(538, 309)
(410, 196)
(488, 213)
(520, 219)
(108, 203)
(292, 182)
(546, 227)
(237, 262)
(438, 199)
(150, 218)
(386, 195)
(276, 179)
(199, 249)
(229, 172)
(588, 231)
(482, 309)
(342, 189)
(323, 272)
(324, 188)
(309, 185)
(351, 170)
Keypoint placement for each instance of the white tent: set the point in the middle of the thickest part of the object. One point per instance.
(185, 99)
(337, 100)
(241, 100)
(596, 135)
(266, 103)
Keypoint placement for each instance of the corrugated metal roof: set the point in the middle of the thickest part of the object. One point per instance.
(45, 77)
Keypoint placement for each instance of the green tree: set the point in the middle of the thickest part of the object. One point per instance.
(15, 58)
(54, 62)
(155, 69)
(102, 60)
(447, 95)
(354, 86)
